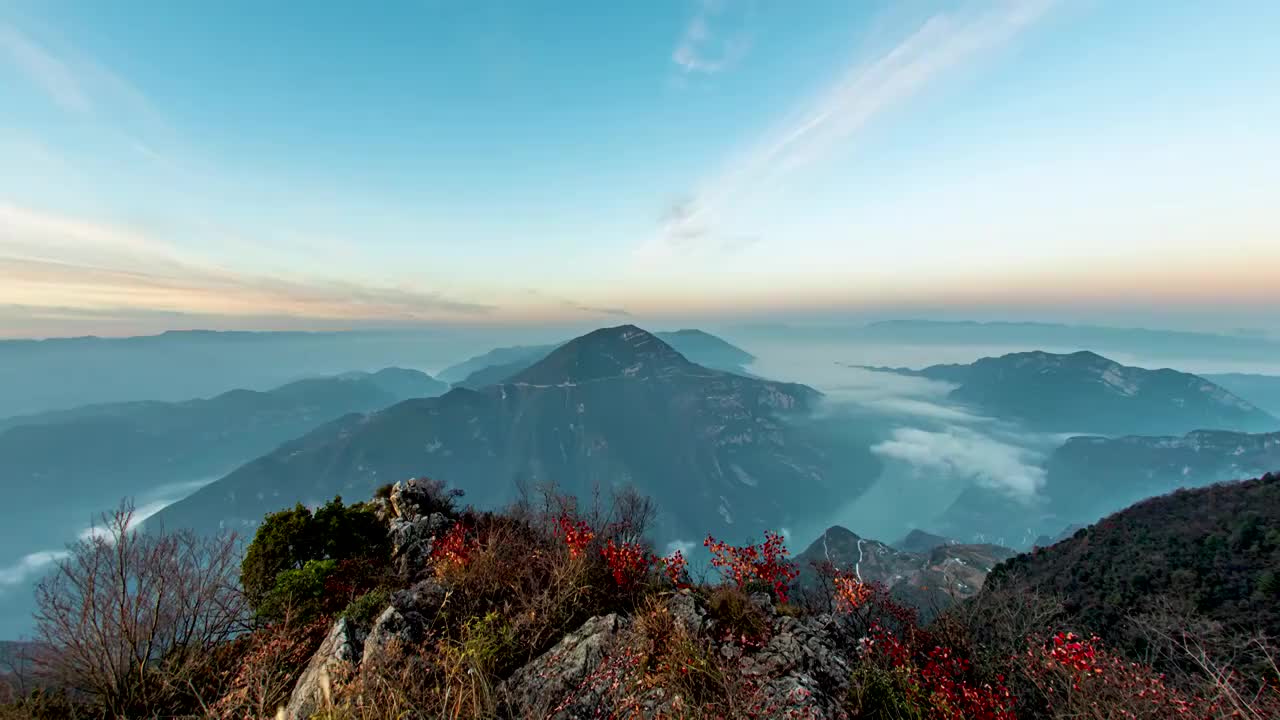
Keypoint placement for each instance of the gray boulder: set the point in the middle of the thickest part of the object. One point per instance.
(391, 631)
(422, 599)
(688, 614)
(339, 653)
(555, 685)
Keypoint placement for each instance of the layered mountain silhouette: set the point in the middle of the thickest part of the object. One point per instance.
(1085, 392)
(931, 578)
(1089, 477)
(62, 373)
(122, 448)
(718, 452)
(61, 469)
(501, 364)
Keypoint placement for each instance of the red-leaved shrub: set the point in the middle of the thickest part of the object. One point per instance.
(766, 563)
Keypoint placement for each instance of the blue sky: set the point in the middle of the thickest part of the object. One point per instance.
(335, 165)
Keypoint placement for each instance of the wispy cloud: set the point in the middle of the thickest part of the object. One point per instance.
(62, 263)
(44, 69)
(578, 306)
(78, 84)
(715, 38)
(862, 92)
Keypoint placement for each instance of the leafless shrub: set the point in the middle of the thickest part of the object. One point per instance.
(132, 619)
(1235, 668)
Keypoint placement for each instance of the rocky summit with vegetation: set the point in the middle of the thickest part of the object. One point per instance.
(411, 606)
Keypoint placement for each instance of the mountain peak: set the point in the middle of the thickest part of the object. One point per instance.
(625, 351)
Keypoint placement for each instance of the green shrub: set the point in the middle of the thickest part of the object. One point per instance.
(878, 693)
(489, 642)
(289, 539)
(297, 595)
(283, 541)
(364, 610)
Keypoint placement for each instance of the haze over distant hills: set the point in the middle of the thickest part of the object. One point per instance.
(1130, 341)
(1085, 392)
(717, 451)
(42, 375)
(123, 447)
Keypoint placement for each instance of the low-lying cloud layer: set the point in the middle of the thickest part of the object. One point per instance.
(28, 567)
(932, 449)
(966, 453)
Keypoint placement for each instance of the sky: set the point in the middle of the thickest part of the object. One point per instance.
(334, 164)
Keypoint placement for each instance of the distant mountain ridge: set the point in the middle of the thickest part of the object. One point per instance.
(717, 451)
(1089, 477)
(353, 391)
(1261, 390)
(1139, 341)
(42, 375)
(500, 364)
(1085, 392)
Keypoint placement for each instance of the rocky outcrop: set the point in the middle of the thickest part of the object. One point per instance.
(687, 613)
(413, 539)
(404, 623)
(555, 684)
(391, 632)
(339, 653)
(804, 668)
(801, 669)
(412, 513)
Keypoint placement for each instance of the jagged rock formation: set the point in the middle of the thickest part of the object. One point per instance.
(802, 667)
